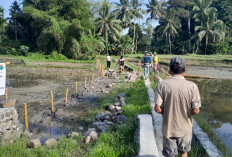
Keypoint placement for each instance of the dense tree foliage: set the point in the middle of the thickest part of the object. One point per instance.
(80, 29)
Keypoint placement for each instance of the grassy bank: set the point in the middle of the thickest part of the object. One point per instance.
(121, 142)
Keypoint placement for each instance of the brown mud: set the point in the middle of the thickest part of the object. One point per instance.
(32, 85)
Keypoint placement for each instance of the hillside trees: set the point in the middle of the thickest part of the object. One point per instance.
(54, 25)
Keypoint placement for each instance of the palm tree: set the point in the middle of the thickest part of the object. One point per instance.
(138, 12)
(213, 29)
(124, 12)
(170, 23)
(153, 9)
(107, 23)
(202, 9)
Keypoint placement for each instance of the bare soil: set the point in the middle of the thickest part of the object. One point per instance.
(214, 72)
(32, 85)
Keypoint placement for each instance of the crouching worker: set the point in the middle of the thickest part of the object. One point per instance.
(180, 100)
(121, 64)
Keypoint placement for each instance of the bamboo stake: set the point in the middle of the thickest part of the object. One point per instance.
(25, 115)
(85, 82)
(92, 78)
(66, 96)
(76, 87)
(52, 108)
(6, 94)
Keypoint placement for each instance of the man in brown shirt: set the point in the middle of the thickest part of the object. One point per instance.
(177, 100)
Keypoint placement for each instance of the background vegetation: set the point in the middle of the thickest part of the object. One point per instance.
(80, 29)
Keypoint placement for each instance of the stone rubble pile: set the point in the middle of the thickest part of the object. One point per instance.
(110, 73)
(131, 77)
(9, 124)
(107, 120)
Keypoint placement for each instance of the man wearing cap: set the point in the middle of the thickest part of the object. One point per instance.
(146, 64)
(177, 100)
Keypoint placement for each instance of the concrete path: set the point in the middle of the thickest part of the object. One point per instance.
(147, 142)
(157, 118)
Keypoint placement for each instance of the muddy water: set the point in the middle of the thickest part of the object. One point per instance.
(216, 97)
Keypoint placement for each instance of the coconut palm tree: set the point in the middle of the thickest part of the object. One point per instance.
(201, 10)
(170, 23)
(153, 9)
(124, 12)
(212, 30)
(138, 12)
(107, 24)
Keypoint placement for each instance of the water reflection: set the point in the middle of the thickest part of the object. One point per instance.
(225, 134)
(216, 98)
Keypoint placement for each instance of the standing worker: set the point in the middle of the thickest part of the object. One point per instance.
(146, 64)
(121, 64)
(180, 100)
(152, 61)
(156, 60)
(108, 61)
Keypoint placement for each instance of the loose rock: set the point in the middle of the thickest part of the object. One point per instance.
(8, 103)
(50, 142)
(73, 134)
(121, 119)
(87, 139)
(93, 135)
(34, 143)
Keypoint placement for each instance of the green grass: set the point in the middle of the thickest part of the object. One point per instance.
(64, 147)
(121, 142)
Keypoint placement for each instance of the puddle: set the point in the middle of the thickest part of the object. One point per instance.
(225, 134)
(54, 132)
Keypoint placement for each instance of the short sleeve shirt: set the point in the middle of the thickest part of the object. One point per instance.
(108, 58)
(178, 97)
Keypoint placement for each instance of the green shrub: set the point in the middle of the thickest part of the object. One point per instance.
(54, 55)
(37, 56)
(23, 50)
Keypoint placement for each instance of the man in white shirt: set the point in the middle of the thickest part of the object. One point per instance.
(108, 61)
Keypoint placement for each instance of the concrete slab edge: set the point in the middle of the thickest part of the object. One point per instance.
(147, 143)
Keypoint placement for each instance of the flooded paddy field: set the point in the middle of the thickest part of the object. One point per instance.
(32, 85)
(216, 97)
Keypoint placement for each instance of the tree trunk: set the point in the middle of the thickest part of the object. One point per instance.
(133, 40)
(197, 46)
(170, 44)
(206, 43)
(151, 35)
(189, 27)
(136, 44)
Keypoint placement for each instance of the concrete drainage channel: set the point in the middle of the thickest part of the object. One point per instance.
(151, 138)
